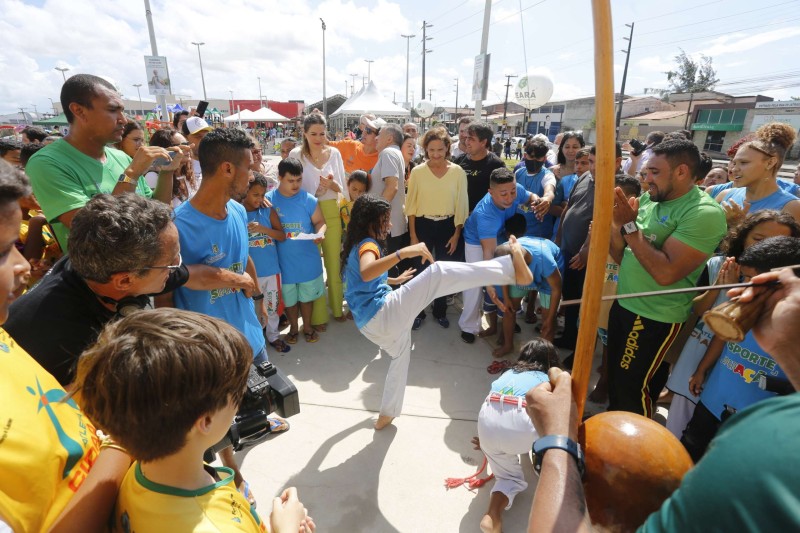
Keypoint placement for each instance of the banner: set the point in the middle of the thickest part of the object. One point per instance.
(480, 78)
(157, 75)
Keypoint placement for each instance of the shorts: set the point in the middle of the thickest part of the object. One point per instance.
(304, 292)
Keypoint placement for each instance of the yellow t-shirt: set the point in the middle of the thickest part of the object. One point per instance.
(143, 505)
(47, 445)
(345, 207)
(433, 196)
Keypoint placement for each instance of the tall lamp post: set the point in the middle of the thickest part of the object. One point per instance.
(55, 111)
(202, 77)
(63, 70)
(324, 97)
(455, 121)
(141, 107)
(369, 69)
(353, 84)
(260, 102)
(408, 49)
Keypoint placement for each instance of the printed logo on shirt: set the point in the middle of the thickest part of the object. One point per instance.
(260, 240)
(293, 229)
(215, 256)
(749, 375)
(631, 344)
(216, 294)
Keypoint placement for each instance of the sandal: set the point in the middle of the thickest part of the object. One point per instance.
(499, 366)
(277, 425)
(291, 338)
(311, 337)
(244, 488)
(280, 346)
(322, 328)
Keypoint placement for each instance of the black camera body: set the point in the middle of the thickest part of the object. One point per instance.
(638, 146)
(268, 390)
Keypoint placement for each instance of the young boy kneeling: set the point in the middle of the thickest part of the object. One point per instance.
(166, 384)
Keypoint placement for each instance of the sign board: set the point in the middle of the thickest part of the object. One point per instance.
(760, 120)
(157, 75)
(480, 77)
(777, 105)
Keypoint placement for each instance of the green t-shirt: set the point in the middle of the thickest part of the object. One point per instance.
(747, 480)
(696, 220)
(64, 178)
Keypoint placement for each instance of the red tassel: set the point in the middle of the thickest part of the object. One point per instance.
(472, 482)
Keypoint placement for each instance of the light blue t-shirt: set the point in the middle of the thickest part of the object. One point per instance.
(263, 251)
(299, 260)
(535, 184)
(365, 298)
(223, 244)
(487, 220)
(518, 383)
(734, 379)
(546, 258)
(714, 190)
(775, 201)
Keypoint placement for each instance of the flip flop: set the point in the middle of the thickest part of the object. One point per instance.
(244, 488)
(311, 337)
(291, 338)
(322, 328)
(280, 346)
(277, 425)
(499, 366)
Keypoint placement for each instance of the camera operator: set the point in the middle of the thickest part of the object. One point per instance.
(640, 153)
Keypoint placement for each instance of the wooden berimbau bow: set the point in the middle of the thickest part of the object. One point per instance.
(632, 463)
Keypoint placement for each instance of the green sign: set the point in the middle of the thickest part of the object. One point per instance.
(717, 127)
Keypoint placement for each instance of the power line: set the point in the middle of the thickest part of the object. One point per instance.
(449, 10)
(660, 15)
(516, 13)
(465, 18)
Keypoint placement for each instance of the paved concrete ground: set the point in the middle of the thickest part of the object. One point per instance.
(352, 478)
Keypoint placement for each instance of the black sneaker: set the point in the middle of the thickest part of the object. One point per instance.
(443, 322)
(469, 338)
(417, 324)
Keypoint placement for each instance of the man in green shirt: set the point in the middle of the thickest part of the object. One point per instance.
(67, 173)
(661, 241)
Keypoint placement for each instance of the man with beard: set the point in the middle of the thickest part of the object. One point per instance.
(661, 241)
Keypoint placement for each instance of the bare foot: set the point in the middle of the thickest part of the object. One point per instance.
(488, 332)
(503, 350)
(340, 318)
(520, 257)
(476, 443)
(488, 525)
(383, 421)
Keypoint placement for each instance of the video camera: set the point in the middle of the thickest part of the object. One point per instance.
(268, 390)
(638, 146)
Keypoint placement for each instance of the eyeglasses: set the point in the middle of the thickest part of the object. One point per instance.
(255, 151)
(185, 143)
(171, 268)
(370, 131)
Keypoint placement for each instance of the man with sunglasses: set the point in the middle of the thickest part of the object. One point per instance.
(123, 250)
(361, 154)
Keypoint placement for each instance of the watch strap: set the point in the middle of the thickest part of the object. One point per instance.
(559, 442)
(123, 178)
(629, 228)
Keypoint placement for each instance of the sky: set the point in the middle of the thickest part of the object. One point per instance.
(753, 46)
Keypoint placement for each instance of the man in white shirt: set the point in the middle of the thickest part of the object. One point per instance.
(387, 181)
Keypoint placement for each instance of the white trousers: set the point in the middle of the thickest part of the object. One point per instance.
(506, 432)
(390, 328)
(470, 320)
(681, 410)
(269, 286)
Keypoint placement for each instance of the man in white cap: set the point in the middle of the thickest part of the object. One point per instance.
(194, 129)
(363, 154)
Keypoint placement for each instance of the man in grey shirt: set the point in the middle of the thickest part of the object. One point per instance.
(388, 177)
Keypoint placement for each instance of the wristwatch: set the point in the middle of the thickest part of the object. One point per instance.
(123, 178)
(629, 228)
(560, 442)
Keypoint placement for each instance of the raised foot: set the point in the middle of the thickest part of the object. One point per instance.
(383, 421)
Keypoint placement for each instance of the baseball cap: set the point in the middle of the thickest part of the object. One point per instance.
(369, 120)
(195, 124)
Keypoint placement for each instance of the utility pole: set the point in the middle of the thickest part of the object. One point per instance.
(505, 105)
(202, 76)
(324, 97)
(352, 84)
(455, 121)
(162, 98)
(425, 51)
(487, 13)
(35, 111)
(141, 107)
(624, 76)
(408, 51)
(55, 111)
(231, 109)
(369, 69)
(24, 117)
(260, 102)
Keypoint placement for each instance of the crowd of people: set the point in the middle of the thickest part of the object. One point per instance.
(240, 255)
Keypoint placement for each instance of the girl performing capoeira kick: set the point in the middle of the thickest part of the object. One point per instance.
(385, 316)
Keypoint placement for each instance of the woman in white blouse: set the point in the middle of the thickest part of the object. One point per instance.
(323, 176)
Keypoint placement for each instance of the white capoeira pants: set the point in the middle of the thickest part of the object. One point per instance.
(506, 432)
(390, 328)
(470, 320)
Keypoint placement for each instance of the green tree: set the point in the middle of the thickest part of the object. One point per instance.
(692, 76)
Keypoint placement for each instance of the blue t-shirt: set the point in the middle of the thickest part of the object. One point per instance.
(223, 244)
(714, 190)
(546, 258)
(775, 201)
(534, 184)
(789, 186)
(365, 298)
(299, 260)
(518, 383)
(565, 186)
(487, 220)
(263, 251)
(734, 379)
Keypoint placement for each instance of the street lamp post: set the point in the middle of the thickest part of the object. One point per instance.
(369, 69)
(35, 111)
(231, 109)
(324, 96)
(202, 76)
(141, 107)
(455, 121)
(63, 70)
(408, 49)
(55, 111)
(260, 102)
(352, 84)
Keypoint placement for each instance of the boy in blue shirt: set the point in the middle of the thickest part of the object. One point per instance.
(263, 230)
(480, 237)
(299, 259)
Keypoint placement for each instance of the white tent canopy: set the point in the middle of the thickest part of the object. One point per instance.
(243, 115)
(367, 100)
(266, 114)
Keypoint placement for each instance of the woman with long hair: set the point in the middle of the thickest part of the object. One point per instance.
(132, 138)
(385, 316)
(184, 182)
(571, 142)
(755, 175)
(437, 207)
(323, 177)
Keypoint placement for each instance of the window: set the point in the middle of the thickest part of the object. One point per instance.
(714, 140)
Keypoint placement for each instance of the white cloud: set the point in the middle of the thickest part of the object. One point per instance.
(741, 43)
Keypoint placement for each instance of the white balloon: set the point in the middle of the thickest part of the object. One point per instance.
(533, 90)
(424, 108)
